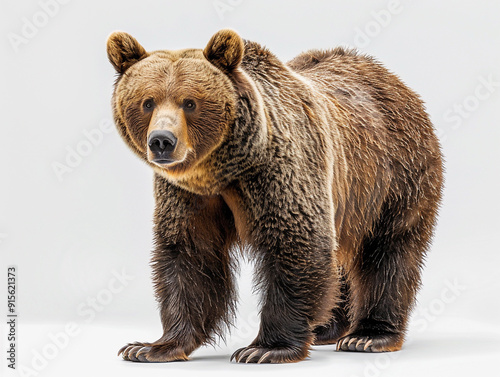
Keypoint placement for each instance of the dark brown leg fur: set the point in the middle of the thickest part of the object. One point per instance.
(191, 271)
(295, 272)
(292, 302)
(385, 280)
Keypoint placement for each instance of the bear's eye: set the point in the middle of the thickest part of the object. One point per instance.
(148, 105)
(189, 104)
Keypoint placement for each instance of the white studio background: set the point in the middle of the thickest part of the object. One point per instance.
(71, 234)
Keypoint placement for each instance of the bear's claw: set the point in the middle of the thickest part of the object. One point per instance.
(370, 343)
(359, 344)
(261, 355)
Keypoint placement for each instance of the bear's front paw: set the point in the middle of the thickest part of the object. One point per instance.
(274, 355)
(152, 352)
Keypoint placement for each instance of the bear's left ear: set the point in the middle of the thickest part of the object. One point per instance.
(225, 50)
(124, 51)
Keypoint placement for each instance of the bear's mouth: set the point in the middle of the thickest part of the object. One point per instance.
(163, 161)
(167, 163)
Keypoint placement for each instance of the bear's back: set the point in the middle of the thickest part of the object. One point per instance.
(359, 83)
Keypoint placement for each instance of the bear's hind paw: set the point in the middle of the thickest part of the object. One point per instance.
(369, 343)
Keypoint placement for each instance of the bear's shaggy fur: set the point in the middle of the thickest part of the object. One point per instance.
(327, 168)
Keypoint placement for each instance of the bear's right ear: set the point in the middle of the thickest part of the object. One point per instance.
(124, 51)
(225, 50)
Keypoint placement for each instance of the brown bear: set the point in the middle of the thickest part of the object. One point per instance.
(326, 170)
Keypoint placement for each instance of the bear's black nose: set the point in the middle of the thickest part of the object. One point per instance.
(161, 142)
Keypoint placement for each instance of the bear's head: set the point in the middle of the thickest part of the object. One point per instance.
(174, 108)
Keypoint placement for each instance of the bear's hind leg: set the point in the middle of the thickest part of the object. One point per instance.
(383, 284)
(338, 325)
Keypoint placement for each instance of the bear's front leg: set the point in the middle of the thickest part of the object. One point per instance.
(191, 271)
(296, 271)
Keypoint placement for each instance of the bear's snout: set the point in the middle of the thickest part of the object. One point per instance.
(162, 143)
